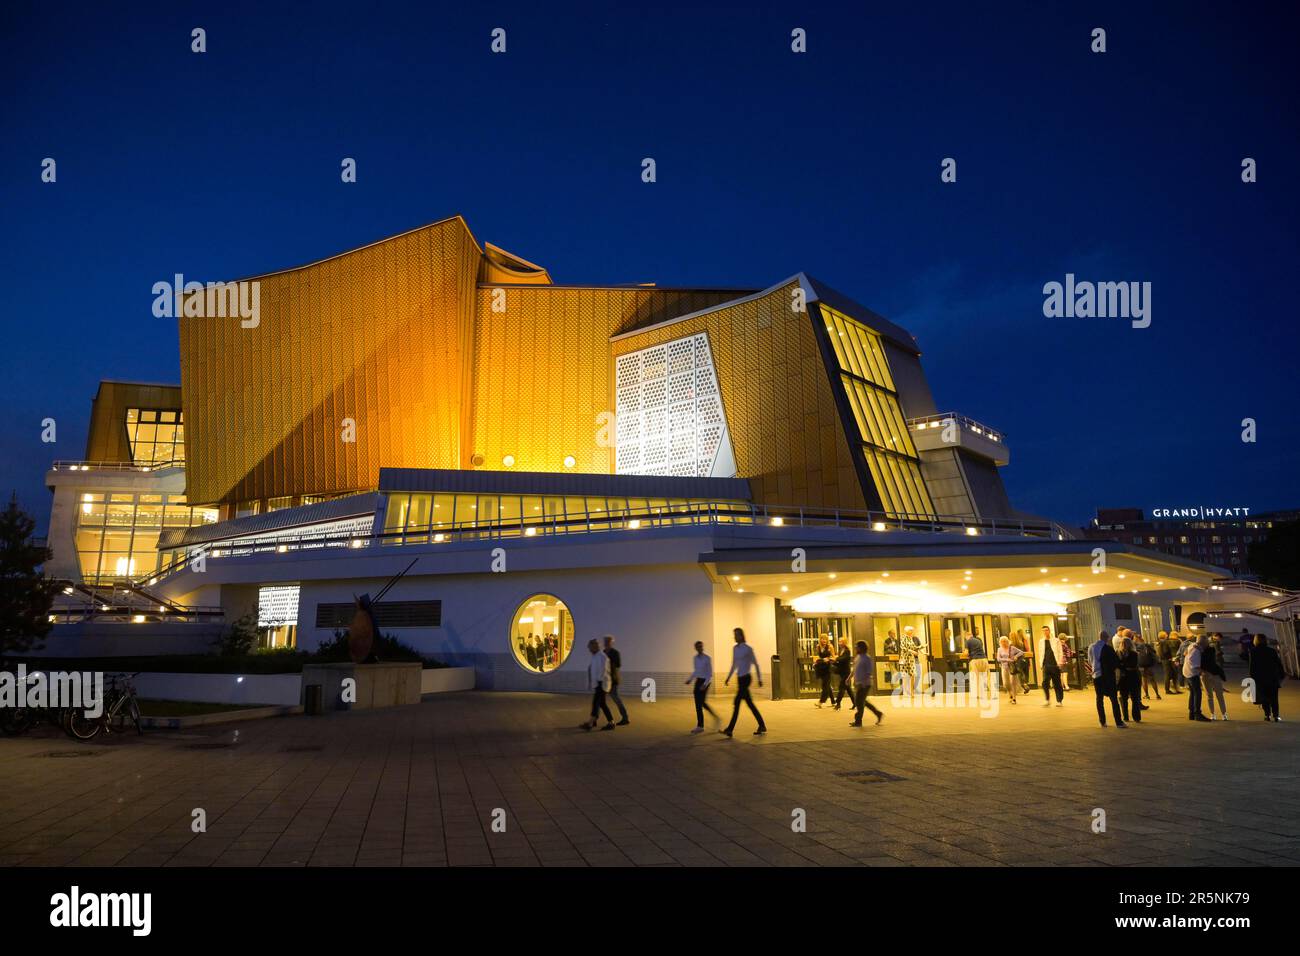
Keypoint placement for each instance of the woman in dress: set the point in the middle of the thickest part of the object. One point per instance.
(908, 652)
(1008, 655)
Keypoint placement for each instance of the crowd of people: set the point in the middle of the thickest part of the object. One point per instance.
(1123, 669)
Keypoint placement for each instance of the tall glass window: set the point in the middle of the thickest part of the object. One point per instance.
(156, 436)
(884, 441)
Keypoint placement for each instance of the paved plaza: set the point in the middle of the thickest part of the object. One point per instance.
(420, 785)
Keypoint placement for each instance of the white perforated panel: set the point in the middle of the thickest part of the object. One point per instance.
(277, 606)
(670, 419)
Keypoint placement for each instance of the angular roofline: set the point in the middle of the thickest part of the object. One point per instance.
(377, 242)
(619, 287)
(125, 381)
(815, 291)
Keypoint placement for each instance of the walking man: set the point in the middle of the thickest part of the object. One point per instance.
(1050, 656)
(979, 666)
(742, 661)
(615, 666)
(863, 668)
(843, 671)
(702, 677)
(599, 681)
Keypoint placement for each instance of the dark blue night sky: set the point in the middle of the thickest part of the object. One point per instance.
(1122, 166)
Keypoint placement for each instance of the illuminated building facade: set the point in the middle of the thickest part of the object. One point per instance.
(556, 462)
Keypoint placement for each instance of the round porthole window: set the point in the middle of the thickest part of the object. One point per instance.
(541, 633)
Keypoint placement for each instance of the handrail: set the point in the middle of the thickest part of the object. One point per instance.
(114, 465)
(965, 421)
(623, 519)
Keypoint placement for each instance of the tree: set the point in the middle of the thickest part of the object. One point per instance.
(240, 638)
(25, 593)
(1276, 559)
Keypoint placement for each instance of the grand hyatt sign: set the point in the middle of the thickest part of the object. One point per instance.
(1200, 513)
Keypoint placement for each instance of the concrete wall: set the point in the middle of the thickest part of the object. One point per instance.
(251, 689)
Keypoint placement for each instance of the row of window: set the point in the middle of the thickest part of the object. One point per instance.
(886, 444)
(414, 514)
(858, 348)
(156, 436)
(117, 533)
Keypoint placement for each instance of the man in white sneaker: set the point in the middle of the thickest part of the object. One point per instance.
(702, 678)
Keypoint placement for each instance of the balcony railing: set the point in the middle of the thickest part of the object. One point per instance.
(969, 424)
(113, 466)
(629, 519)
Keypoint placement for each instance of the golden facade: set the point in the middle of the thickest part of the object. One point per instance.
(356, 362)
(427, 351)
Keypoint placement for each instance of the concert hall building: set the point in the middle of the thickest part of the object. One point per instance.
(550, 462)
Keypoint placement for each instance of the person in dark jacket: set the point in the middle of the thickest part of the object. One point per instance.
(1266, 671)
(1130, 682)
(822, 669)
(1213, 675)
(615, 669)
(1147, 662)
(843, 671)
(1167, 647)
(1105, 662)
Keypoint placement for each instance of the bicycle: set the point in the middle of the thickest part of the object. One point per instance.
(15, 721)
(120, 706)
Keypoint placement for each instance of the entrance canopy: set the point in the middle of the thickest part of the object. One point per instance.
(983, 577)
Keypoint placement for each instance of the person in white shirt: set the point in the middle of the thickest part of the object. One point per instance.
(742, 661)
(598, 679)
(702, 677)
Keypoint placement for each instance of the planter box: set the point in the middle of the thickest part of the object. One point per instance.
(377, 685)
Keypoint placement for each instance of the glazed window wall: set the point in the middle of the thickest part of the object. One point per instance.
(421, 518)
(157, 436)
(885, 442)
(117, 534)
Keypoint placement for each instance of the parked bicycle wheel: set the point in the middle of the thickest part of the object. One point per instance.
(81, 727)
(126, 715)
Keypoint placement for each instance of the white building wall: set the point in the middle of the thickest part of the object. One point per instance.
(654, 615)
